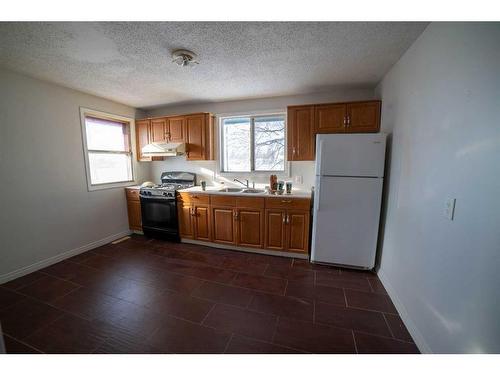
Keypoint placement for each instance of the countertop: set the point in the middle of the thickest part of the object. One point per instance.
(215, 190)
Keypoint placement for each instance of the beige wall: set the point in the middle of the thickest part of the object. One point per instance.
(46, 209)
(442, 103)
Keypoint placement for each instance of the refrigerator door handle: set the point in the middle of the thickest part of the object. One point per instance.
(318, 158)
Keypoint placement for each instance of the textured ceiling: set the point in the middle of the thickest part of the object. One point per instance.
(131, 62)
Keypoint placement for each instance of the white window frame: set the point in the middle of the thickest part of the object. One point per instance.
(112, 117)
(221, 117)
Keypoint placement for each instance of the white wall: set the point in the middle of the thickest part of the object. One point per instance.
(208, 169)
(442, 102)
(46, 209)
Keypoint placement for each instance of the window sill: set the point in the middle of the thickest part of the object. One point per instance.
(113, 185)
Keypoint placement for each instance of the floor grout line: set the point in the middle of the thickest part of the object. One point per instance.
(354, 339)
(388, 326)
(22, 342)
(208, 313)
(228, 342)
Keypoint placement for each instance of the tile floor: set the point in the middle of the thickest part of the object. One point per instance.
(150, 296)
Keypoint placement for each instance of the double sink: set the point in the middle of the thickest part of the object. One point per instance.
(244, 190)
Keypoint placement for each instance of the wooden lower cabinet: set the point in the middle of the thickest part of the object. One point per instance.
(275, 229)
(280, 224)
(185, 217)
(250, 227)
(134, 209)
(298, 231)
(223, 228)
(134, 215)
(287, 230)
(201, 221)
(194, 222)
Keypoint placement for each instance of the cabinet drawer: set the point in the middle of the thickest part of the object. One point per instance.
(284, 202)
(218, 200)
(132, 194)
(193, 198)
(250, 202)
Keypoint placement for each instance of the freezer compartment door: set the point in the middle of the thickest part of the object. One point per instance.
(350, 154)
(345, 221)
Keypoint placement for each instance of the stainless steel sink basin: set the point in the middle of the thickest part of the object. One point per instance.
(252, 191)
(231, 190)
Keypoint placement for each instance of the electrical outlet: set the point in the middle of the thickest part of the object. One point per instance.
(449, 208)
(298, 179)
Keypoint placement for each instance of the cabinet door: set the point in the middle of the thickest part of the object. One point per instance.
(158, 129)
(195, 137)
(134, 214)
(175, 132)
(301, 137)
(297, 231)
(142, 135)
(185, 215)
(201, 223)
(223, 225)
(330, 118)
(363, 117)
(275, 229)
(250, 230)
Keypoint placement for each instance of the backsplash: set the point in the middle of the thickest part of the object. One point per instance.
(208, 171)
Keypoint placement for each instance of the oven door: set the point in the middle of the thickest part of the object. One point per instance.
(159, 214)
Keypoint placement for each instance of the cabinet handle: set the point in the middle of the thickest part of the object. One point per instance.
(235, 214)
(286, 201)
(345, 121)
(287, 219)
(293, 150)
(348, 121)
(284, 219)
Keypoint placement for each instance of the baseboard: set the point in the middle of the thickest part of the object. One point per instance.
(57, 258)
(247, 249)
(403, 313)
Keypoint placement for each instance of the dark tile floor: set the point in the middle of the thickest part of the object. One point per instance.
(150, 296)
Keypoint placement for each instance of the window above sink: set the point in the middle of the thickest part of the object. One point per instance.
(252, 143)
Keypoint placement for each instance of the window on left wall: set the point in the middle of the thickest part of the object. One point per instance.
(107, 150)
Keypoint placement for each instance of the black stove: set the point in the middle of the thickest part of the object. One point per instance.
(158, 205)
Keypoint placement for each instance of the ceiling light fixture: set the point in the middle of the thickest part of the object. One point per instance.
(184, 57)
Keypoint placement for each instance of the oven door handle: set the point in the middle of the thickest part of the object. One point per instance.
(156, 197)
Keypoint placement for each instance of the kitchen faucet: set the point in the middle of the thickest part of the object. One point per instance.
(247, 184)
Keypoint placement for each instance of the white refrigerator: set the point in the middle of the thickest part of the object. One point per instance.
(348, 195)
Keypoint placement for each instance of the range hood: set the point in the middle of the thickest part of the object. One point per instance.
(163, 149)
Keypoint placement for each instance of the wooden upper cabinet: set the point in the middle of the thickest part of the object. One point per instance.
(250, 227)
(199, 137)
(298, 231)
(176, 129)
(330, 118)
(363, 117)
(195, 137)
(275, 229)
(142, 135)
(158, 129)
(223, 228)
(301, 134)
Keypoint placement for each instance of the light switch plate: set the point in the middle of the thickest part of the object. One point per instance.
(449, 208)
(298, 179)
